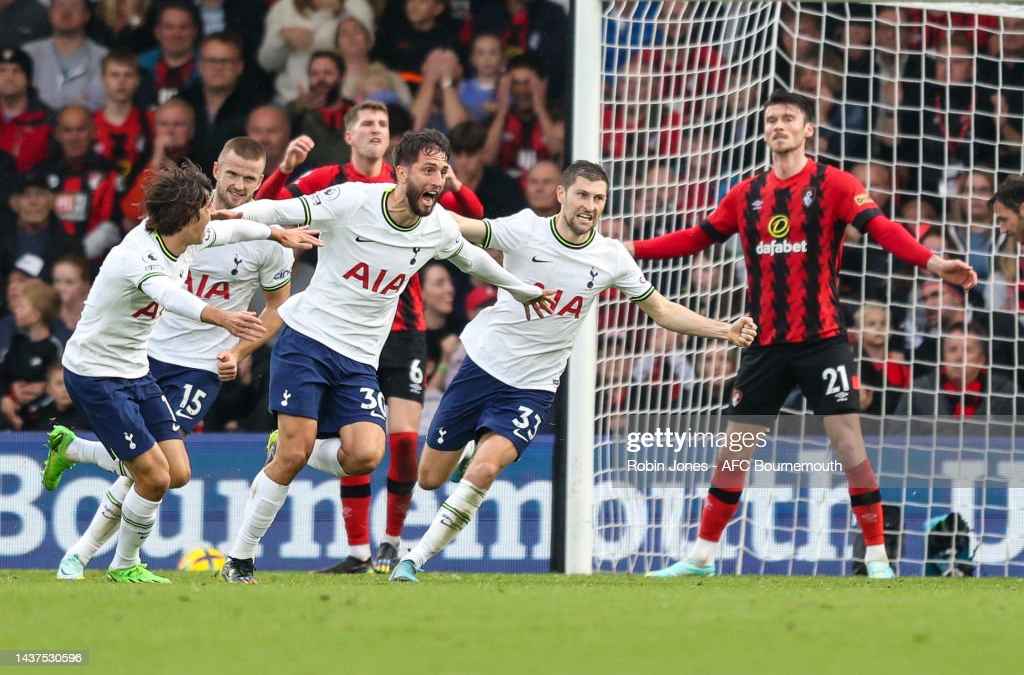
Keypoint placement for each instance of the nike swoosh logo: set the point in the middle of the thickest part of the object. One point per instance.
(176, 427)
(536, 259)
(361, 240)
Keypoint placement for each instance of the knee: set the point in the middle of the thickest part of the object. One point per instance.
(430, 479)
(153, 480)
(179, 477)
(363, 460)
(482, 473)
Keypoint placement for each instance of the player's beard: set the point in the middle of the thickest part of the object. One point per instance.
(581, 227)
(413, 194)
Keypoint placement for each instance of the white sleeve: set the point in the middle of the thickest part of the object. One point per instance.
(451, 237)
(172, 296)
(477, 262)
(276, 268)
(224, 232)
(630, 278)
(507, 234)
(322, 209)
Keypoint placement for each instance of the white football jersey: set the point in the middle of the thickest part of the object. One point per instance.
(111, 338)
(532, 353)
(363, 266)
(226, 277)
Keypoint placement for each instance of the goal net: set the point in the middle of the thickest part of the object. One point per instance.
(925, 107)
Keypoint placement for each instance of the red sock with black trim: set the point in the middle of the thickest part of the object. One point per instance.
(401, 481)
(356, 497)
(866, 502)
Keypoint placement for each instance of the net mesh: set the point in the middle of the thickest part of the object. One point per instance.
(925, 107)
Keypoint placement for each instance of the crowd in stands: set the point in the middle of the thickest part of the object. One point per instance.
(95, 94)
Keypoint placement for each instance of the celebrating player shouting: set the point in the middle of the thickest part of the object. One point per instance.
(504, 390)
(323, 375)
(791, 220)
(106, 368)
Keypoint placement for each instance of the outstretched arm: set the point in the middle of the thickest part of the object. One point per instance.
(672, 245)
(896, 240)
(223, 232)
(477, 262)
(169, 295)
(474, 230)
(679, 319)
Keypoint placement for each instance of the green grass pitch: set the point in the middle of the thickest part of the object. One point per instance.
(523, 624)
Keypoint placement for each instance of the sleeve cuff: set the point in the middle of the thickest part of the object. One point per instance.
(643, 296)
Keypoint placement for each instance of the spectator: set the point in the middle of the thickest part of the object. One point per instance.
(220, 101)
(124, 25)
(541, 188)
(963, 386)
(661, 372)
(479, 299)
(171, 67)
(244, 18)
(86, 184)
(270, 127)
(714, 370)
(438, 305)
(537, 26)
(72, 281)
(635, 100)
(399, 123)
(22, 21)
(423, 26)
(971, 214)
(437, 103)
(33, 238)
(614, 366)
(657, 202)
(173, 134)
(25, 123)
(381, 84)
(123, 130)
(884, 372)
(940, 306)
(523, 130)
(67, 65)
(294, 30)
(56, 406)
(354, 42)
(501, 195)
(33, 350)
(320, 112)
(478, 93)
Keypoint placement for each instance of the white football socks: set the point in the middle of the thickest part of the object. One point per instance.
(265, 499)
(84, 451)
(703, 552)
(325, 457)
(454, 514)
(104, 522)
(875, 553)
(138, 515)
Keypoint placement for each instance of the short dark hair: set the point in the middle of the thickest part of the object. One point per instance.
(175, 196)
(783, 97)
(969, 329)
(1010, 193)
(244, 147)
(225, 38)
(122, 58)
(526, 61)
(334, 57)
(352, 116)
(584, 169)
(181, 6)
(415, 142)
(78, 262)
(467, 137)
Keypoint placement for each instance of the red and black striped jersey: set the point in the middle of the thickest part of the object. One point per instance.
(125, 144)
(85, 196)
(791, 233)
